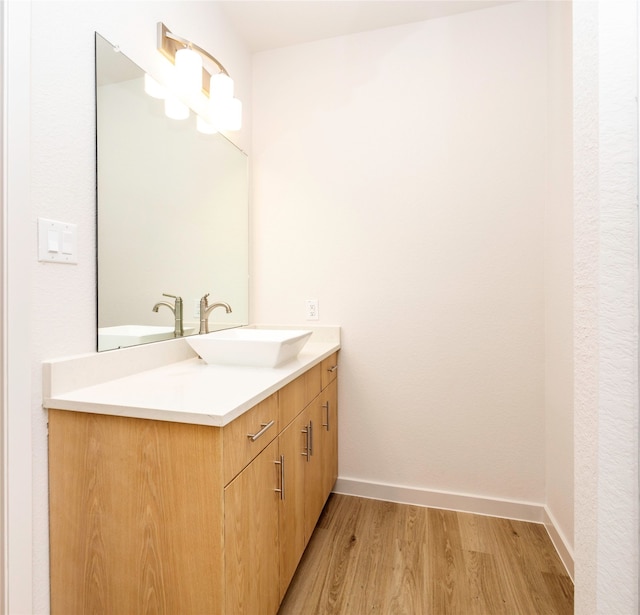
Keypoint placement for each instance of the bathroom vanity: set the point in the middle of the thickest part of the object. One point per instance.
(198, 497)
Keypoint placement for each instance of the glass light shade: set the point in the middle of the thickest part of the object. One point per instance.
(232, 118)
(220, 87)
(188, 71)
(153, 88)
(175, 109)
(205, 127)
(226, 114)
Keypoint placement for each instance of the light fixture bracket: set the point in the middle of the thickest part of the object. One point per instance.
(169, 43)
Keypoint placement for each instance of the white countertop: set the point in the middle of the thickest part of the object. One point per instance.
(185, 390)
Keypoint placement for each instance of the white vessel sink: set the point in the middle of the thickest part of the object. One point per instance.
(132, 335)
(249, 347)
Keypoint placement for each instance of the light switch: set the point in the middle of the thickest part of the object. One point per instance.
(57, 242)
(68, 242)
(54, 240)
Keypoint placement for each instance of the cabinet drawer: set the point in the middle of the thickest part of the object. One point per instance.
(297, 395)
(245, 437)
(329, 369)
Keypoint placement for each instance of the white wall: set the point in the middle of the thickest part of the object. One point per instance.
(558, 290)
(606, 306)
(17, 358)
(61, 306)
(399, 177)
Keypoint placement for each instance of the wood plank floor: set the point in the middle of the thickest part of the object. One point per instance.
(368, 556)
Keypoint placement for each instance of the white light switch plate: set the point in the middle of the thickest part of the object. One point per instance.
(57, 242)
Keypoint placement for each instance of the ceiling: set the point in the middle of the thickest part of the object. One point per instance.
(269, 24)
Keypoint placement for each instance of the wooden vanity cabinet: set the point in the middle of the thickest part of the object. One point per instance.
(291, 514)
(261, 423)
(315, 495)
(251, 476)
(306, 446)
(251, 537)
(329, 370)
(136, 517)
(329, 435)
(296, 395)
(329, 432)
(154, 517)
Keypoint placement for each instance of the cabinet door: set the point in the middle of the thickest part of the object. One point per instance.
(251, 537)
(293, 455)
(315, 496)
(329, 439)
(136, 516)
(321, 470)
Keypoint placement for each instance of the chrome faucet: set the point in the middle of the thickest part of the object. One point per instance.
(176, 308)
(206, 309)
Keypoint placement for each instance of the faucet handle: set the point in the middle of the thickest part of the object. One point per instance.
(204, 302)
(178, 299)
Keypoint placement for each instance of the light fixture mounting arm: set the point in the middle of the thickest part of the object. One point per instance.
(169, 43)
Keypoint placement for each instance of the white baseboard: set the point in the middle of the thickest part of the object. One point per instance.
(507, 509)
(559, 541)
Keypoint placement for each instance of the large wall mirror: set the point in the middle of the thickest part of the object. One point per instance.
(172, 213)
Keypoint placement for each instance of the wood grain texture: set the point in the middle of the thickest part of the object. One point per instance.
(309, 479)
(238, 449)
(368, 556)
(296, 395)
(292, 445)
(315, 493)
(135, 514)
(251, 538)
(329, 435)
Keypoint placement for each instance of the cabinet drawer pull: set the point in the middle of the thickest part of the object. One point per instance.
(254, 436)
(326, 406)
(310, 437)
(333, 369)
(307, 449)
(281, 464)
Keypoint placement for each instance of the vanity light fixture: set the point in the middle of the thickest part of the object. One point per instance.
(188, 64)
(174, 108)
(205, 127)
(153, 88)
(211, 93)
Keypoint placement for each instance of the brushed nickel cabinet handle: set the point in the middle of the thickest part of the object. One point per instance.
(307, 449)
(326, 406)
(254, 436)
(333, 369)
(310, 437)
(281, 464)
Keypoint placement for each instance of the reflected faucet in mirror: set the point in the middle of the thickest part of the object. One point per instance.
(176, 308)
(206, 309)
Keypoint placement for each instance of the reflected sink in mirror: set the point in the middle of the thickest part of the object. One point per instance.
(249, 347)
(132, 335)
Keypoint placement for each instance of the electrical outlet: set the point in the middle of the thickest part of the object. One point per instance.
(313, 313)
(196, 308)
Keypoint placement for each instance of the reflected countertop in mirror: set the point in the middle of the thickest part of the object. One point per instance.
(172, 210)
